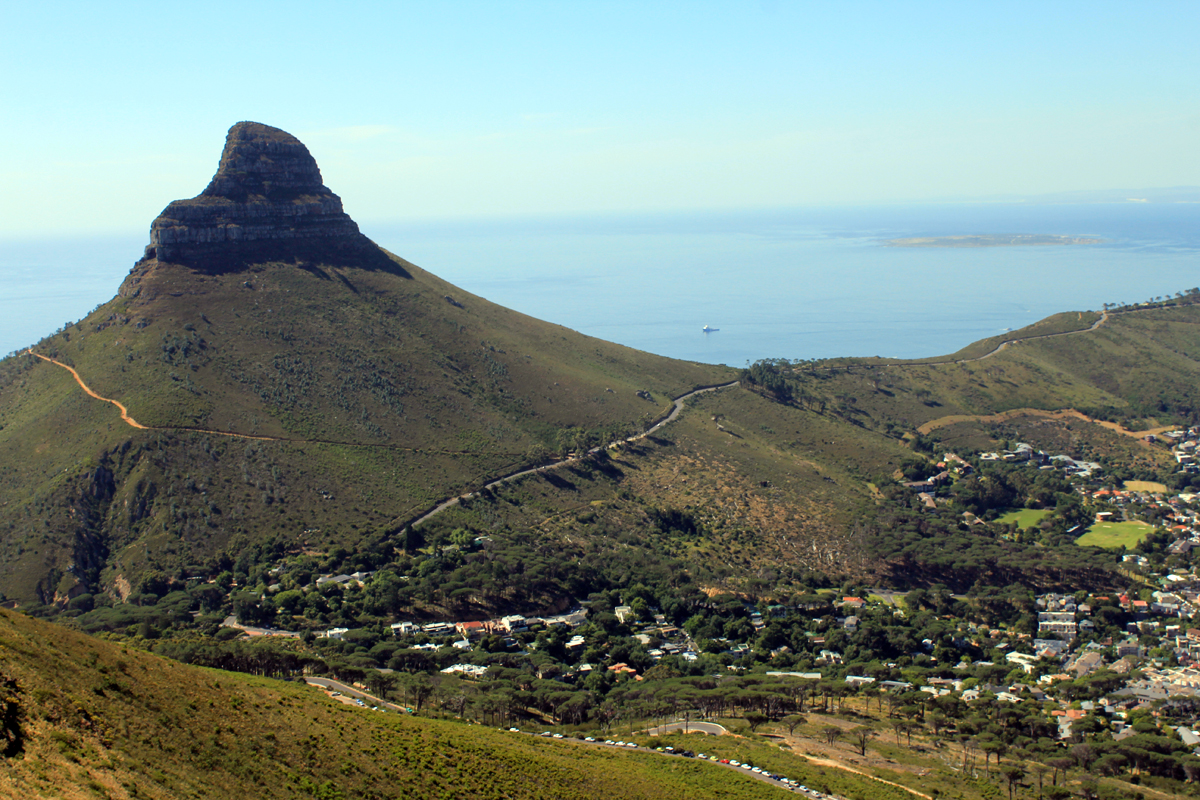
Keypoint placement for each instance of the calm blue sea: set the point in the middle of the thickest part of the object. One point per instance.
(789, 283)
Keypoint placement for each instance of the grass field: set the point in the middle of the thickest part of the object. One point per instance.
(1114, 534)
(1145, 486)
(1024, 517)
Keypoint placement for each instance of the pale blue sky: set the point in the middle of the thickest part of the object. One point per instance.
(417, 110)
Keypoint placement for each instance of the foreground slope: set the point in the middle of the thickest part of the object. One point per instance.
(88, 718)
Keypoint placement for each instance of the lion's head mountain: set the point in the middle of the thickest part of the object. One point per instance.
(291, 376)
(266, 202)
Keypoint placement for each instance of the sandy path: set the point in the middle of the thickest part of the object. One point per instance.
(124, 411)
(1004, 416)
(825, 762)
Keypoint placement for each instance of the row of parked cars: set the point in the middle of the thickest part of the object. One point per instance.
(788, 782)
(357, 700)
(672, 751)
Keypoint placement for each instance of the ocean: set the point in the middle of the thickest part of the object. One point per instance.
(793, 283)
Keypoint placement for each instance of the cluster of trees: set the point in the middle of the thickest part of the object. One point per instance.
(771, 375)
(535, 676)
(927, 547)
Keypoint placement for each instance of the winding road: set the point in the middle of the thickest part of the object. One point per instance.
(1103, 319)
(676, 408)
(913, 364)
(125, 417)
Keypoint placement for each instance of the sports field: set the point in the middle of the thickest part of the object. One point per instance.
(1145, 486)
(1114, 534)
(1024, 517)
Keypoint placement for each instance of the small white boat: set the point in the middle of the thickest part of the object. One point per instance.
(708, 329)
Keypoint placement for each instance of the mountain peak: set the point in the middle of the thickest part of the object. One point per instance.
(264, 162)
(266, 202)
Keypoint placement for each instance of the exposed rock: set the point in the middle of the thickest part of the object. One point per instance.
(266, 203)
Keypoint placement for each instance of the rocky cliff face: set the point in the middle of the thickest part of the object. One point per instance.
(266, 203)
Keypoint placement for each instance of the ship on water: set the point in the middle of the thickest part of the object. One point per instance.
(708, 329)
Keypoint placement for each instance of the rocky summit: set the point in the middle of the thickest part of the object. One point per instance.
(267, 202)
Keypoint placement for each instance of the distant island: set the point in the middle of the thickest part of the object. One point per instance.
(990, 240)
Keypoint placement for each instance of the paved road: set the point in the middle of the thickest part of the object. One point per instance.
(675, 409)
(691, 726)
(231, 622)
(913, 364)
(1103, 319)
(350, 691)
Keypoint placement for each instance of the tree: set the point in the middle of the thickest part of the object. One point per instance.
(831, 733)
(1111, 764)
(1039, 771)
(1013, 774)
(989, 746)
(863, 734)
(1060, 764)
(381, 683)
(419, 686)
(793, 721)
(755, 719)
(1084, 755)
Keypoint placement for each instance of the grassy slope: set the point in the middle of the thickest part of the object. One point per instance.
(392, 398)
(1137, 364)
(100, 720)
(772, 490)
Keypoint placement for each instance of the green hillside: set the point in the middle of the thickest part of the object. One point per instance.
(1138, 367)
(85, 718)
(356, 403)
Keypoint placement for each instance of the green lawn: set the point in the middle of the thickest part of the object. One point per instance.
(1145, 486)
(1024, 517)
(1114, 534)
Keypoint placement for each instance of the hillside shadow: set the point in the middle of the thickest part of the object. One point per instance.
(557, 481)
(12, 734)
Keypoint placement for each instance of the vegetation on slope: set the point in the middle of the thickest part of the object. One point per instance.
(86, 718)
(358, 398)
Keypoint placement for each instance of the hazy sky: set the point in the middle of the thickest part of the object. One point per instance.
(413, 110)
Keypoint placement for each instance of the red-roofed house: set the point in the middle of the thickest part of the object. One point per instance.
(472, 629)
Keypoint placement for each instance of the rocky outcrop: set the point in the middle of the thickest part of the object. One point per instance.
(266, 203)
